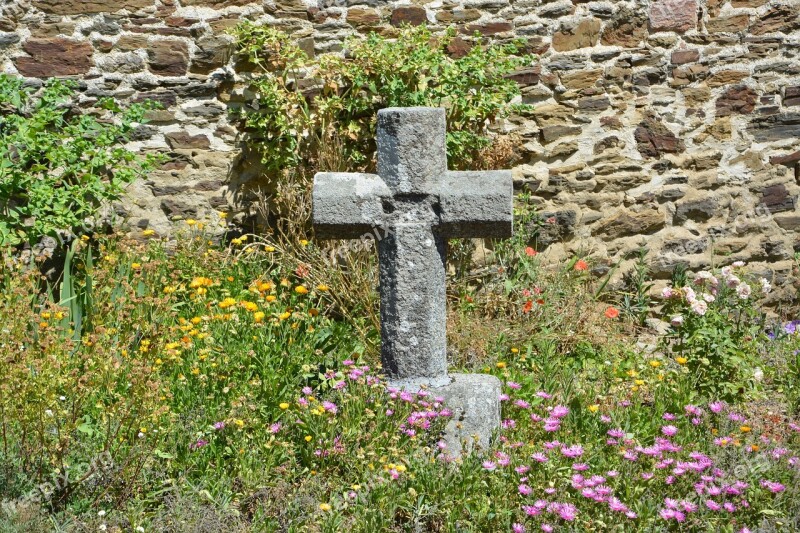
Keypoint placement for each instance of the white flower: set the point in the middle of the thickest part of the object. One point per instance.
(699, 307)
(726, 272)
(677, 320)
(765, 286)
(738, 264)
(733, 281)
(48, 412)
(140, 435)
(666, 292)
(704, 276)
(708, 297)
(62, 398)
(743, 291)
(139, 529)
(102, 527)
(690, 294)
(101, 513)
(758, 374)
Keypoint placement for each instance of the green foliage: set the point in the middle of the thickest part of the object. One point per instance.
(306, 107)
(59, 165)
(715, 329)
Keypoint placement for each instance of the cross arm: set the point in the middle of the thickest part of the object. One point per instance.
(477, 204)
(347, 205)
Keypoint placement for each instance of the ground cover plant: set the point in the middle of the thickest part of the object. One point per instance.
(215, 387)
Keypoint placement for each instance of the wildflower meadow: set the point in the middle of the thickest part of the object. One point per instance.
(230, 386)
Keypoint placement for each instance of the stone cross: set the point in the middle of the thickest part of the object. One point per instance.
(413, 205)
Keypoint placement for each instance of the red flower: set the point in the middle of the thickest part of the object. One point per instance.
(302, 270)
(530, 252)
(581, 265)
(612, 312)
(527, 307)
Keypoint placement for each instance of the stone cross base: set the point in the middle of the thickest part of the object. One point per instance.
(475, 402)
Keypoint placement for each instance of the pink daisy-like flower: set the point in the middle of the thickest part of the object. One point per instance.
(669, 431)
(539, 457)
(714, 506)
(489, 465)
(524, 489)
(513, 385)
(517, 528)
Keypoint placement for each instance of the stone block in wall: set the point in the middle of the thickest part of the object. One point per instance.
(673, 15)
(489, 28)
(581, 35)
(736, 100)
(626, 223)
(731, 24)
(627, 29)
(168, 57)
(681, 57)
(363, 16)
(213, 52)
(183, 140)
(698, 210)
(448, 16)
(54, 57)
(653, 138)
(781, 18)
(413, 15)
(777, 199)
(726, 77)
(791, 96)
(84, 7)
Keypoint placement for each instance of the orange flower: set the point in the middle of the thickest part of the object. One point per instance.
(527, 307)
(612, 312)
(530, 252)
(581, 265)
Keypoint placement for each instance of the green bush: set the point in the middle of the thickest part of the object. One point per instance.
(57, 164)
(319, 114)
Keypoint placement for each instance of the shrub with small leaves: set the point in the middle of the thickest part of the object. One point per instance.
(58, 164)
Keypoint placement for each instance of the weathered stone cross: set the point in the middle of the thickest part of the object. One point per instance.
(414, 204)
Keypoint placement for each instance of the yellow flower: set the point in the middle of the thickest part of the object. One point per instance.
(258, 316)
(201, 282)
(59, 315)
(322, 287)
(501, 364)
(745, 429)
(655, 364)
(148, 232)
(84, 238)
(195, 371)
(264, 286)
(325, 507)
(285, 315)
(681, 360)
(45, 315)
(196, 320)
(639, 382)
(514, 350)
(754, 447)
(632, 373)
(593, 408)
(191, 222)
(304, 242)
(270, 298)
(169, 290)
(227, 302)
(269, 248)
(308, 438)
(313, 312)
(239, 422)
(250, 306)
(283, 405)
(222, 214)
(300, 289)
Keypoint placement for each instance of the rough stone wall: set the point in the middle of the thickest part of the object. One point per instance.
(670, 123)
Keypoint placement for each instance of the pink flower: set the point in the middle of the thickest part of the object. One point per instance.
(773, 486)
(714, 506)
(616, 433)
(559, 411)
(716, 407)
(669, 431)
(504, 397)
(517, 528)
(668, 416)
(580, 467)
(522, 404)
(522, 469)
(489, 465)
(275, 428)
(513, 385)
(524, 489)
(572, 452)
(542, 394)
(547, 528)
(539, 457)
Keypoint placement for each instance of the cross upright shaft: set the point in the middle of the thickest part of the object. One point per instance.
(416, 204)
